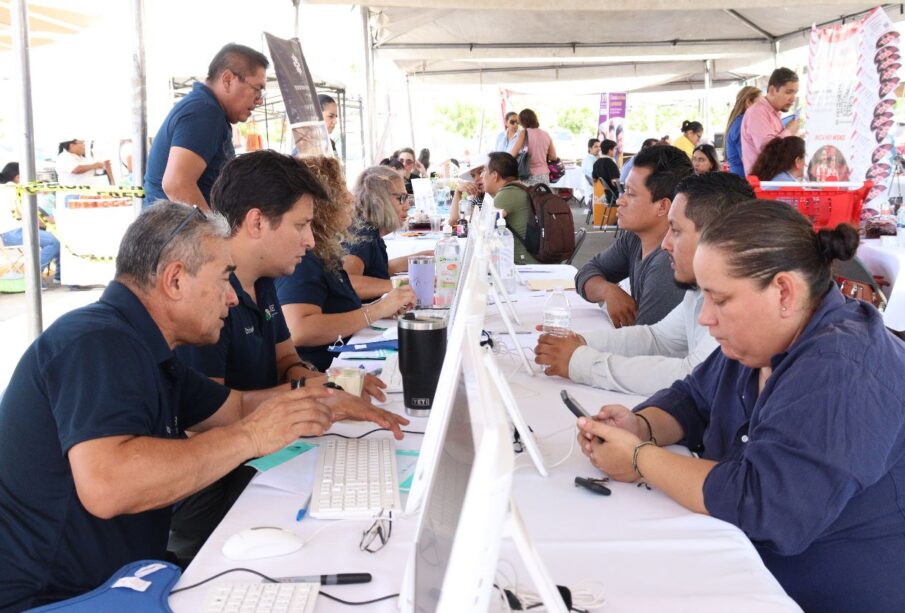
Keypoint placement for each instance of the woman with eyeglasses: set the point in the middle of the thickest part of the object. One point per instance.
(506, 139)
(318, 300)
(381, 207)
(800, 417)
(412, 167)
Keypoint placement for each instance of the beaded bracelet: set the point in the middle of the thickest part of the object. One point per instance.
(650, 431)
(635, 456)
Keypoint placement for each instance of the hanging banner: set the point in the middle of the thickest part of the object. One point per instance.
(853, 73)
(611, 120)
(309, 132)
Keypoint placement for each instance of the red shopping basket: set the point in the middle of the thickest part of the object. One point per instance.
(825, 204)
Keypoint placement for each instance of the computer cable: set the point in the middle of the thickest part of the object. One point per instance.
(369, 432)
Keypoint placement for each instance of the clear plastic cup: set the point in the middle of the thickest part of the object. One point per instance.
(349, 378)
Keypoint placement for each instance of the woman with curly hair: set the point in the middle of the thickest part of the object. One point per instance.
(317, 299)
(781, 160)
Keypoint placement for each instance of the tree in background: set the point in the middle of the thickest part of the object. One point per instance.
(458, 119)
(577, 120)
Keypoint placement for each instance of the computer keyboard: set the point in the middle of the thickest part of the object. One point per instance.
(261, 598)
(390, 374)
(354, 479)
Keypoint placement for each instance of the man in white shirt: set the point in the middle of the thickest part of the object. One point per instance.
(73, 168)
(587, 166)
(645, 359)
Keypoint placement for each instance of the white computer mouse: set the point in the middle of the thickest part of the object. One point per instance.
(263, 542)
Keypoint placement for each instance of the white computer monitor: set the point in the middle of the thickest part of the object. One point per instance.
(468, 509)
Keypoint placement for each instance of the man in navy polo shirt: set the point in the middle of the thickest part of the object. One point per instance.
(268, 200)
(195, 140)
(92, 425)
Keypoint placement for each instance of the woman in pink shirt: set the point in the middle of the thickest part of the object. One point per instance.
(540, 148)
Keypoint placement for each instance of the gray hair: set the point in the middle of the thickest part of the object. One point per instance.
(150, 243)
(374, 198)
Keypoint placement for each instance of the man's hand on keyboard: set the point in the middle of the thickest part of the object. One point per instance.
(285, 417)
(347, 406)
(373, 387)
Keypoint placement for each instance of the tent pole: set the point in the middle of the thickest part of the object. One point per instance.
(21, 45)
(408, 92)
(139, 101)
(369, 81)
(295, 27)
(708, 82)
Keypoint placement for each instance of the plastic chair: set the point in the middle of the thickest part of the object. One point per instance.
(579, 239)
(12, 258)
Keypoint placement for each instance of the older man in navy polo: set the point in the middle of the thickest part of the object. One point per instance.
(268, 199)
(92, 425)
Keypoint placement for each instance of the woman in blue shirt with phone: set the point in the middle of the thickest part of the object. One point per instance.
(799, 418)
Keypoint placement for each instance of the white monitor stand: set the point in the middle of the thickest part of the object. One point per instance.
(499, 291)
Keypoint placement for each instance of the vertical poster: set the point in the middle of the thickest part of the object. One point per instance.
(611, 120)
(853, 75)
(309, 132)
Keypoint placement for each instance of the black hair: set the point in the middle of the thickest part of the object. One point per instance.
(762, 238)
(710, 152)
(424, 156)
(781, 76)
(265, 180)
(9, 172)
(709, 195)
(528, 119)
(324, 100)
(649, 142)
(592, 142)
(237, 58)
(692, 126)
(502, 163)
(66, 144)
(668, 165)
(393, 163)
(778, 155)
(607, 146)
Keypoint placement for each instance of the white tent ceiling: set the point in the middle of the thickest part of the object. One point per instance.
(644, 43)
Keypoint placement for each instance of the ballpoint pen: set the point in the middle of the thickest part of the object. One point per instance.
(337, 579)
(304, 510)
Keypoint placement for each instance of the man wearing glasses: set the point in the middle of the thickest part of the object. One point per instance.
(195, 140)
(93, 424)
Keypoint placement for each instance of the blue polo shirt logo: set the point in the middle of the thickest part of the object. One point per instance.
(249, 330)
(269, 312)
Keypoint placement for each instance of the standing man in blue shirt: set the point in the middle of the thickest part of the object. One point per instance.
(195, 140)
(92, 425)
(268, 200)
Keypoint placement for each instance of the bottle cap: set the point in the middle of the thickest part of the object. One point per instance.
(447, 229)
(500, 222)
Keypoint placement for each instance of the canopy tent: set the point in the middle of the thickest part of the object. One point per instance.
(46, 22)
(645, 43)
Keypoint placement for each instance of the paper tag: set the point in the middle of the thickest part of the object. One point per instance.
(150, 568)
(133, 583)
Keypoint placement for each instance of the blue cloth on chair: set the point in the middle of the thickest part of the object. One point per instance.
(123, 591)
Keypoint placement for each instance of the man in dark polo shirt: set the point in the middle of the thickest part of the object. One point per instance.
(92, 425)
(268, 199)
(195, 140)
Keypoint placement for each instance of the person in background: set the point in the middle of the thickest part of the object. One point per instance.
(397, 166)
(781, 160)
(75, 168)
(587, 167)
(499, 178)
(800, 415)
(539, 145)
(413, 168)
(11, 227)
(704, 159)
(761, 122)
(746, 96)
(469, 191)
(623, 175)
(645, 359)
(505, 140)
(636, 254)
(330, 113)
(691, 136)
(664, 140)
(424, 158)
(317, 298)
(381, 206)
(605, 167)
(196, 138)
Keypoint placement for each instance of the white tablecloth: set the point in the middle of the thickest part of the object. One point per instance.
(637, 547)
(572, 179)
(889, 262)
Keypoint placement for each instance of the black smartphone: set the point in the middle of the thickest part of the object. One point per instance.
(573, 405)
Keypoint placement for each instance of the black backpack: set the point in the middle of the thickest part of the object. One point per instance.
(550, 234)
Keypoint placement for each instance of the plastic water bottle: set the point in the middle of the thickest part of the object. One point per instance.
(506, 262)
(557, 314)
(900, 226)
(447, 264)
